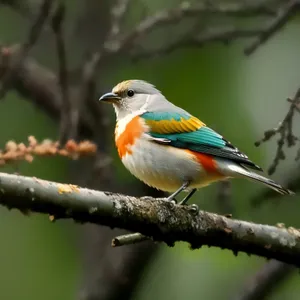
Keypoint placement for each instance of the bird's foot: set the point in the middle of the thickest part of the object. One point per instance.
(188, 196)
(194, 209)
(172, 199)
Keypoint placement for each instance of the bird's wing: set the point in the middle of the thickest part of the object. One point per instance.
(182, 130)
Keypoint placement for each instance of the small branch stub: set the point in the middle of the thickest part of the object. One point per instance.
(128, 239)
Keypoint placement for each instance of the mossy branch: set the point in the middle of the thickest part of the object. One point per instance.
(157, 218)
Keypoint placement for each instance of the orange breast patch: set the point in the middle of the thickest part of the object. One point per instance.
(133, 130)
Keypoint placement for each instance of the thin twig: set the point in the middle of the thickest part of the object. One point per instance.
(127, 42)
(284, 14)
(185, 10)
(34, 33)
(213, 35)
(265, 280)
(285, 130)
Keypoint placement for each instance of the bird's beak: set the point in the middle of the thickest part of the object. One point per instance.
(109, 97)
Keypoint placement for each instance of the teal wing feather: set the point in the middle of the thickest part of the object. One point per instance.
(202, 139)
(163, 115)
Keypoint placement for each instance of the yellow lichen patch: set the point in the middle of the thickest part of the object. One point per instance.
(67, 188)
(172, 126)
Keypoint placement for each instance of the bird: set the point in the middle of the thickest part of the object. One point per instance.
(171, 150)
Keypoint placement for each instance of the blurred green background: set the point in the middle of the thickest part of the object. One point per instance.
(238, 96)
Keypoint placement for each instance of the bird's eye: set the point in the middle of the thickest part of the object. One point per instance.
(130, 93)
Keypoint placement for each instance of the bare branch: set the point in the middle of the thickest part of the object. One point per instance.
(69, 112)
(158, 218)
(126, 44)
(186, 9)
(283, 16)
(286, 137)
(118, 13)
(39, 84)
(285, 129)
(23, 7)
(34, 33)
(265, 280)
(212, 35)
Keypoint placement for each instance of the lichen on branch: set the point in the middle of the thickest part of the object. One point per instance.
(156, 218)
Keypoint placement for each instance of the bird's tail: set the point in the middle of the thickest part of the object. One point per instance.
(266, 181)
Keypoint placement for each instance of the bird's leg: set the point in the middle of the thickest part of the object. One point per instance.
(187, 197)
(183, 187)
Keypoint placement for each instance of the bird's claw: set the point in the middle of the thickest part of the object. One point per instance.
(194, 209)
(171, 199)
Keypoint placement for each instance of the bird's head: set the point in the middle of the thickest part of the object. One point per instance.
(133, 96)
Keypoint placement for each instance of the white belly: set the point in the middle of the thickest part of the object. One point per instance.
(164, 167)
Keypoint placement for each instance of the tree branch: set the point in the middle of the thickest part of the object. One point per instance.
(127, 42)
(33, 35)
(223, 35)
(287, 10)
(158, 218)
(23, 7)
(285, 129)
(287, 138)
(265, 280)
(39, 84)
(186, 9)
(69, 115)
(118, 12)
